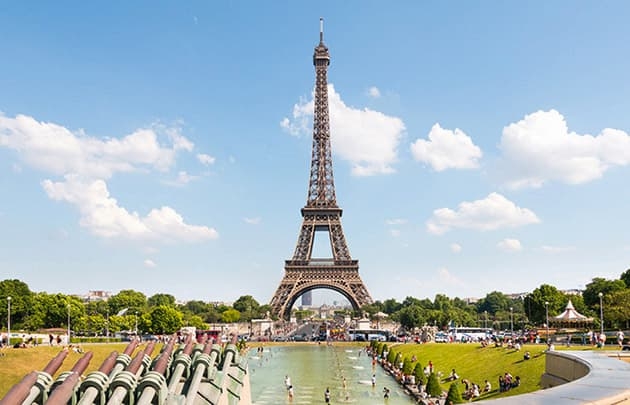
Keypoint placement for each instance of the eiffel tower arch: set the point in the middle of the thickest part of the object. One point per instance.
(321, 213)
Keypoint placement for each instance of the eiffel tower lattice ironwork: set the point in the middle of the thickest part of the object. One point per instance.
(321, 213)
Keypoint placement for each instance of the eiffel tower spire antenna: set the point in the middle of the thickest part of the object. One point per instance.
(321, 213)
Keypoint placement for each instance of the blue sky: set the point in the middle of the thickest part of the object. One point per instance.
(478, 146)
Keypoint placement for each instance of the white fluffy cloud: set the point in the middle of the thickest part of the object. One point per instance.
(493, 212)
(446, 149)
(252, 221)
(456, 247)
(540, 148)
(366, 138)
(374, 92)
(102, 215)
(205, 159)
(510, 245)
(86, 163)
(149, 263)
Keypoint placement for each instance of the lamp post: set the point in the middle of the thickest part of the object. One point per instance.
(9, 321)
(68, 324)
(107, 325)
(547, 318)
(601, 315)
(512, 322)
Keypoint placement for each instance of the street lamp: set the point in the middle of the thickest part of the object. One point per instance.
(547, 318)
(9, 321)
(512, 322)
(601, 315)
(107, 325)
(68, 324)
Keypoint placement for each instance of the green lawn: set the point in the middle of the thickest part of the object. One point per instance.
(477, 364)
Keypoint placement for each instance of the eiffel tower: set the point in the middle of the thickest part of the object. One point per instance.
(321, 213)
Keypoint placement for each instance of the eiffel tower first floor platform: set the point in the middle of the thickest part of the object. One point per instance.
(302, 276)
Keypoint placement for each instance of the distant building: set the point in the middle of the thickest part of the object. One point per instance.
(97, 295)
(307, 299)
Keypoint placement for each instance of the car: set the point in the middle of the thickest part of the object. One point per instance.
(299, 338)
(280, 339)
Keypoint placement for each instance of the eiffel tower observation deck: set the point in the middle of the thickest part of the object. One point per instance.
(321, 213)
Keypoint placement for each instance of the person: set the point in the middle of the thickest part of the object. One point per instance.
(290, 390)
(385, 392)
(287, 381)
(327, 395)
(487, 387)
(453, 376)
(620, 337)
(373, 380)
(526, 356)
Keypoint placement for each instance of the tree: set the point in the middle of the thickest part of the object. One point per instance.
(411, 317)
(418, 372)
(454, 396)
(535, 302)
(196, 321)
(600, 285)
(132, 301)
(196, 307)
(230, 316)
(390, 306)
(407, 366)
(165, 320)
(433, 386)
(247, 306)
(493, 303)
(21, 301)
(617, 308)
(161, 299)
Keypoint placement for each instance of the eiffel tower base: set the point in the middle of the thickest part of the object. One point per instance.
(301, 277)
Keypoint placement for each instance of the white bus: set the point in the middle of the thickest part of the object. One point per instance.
(469, 334)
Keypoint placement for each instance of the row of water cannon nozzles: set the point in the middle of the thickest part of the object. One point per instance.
(122, 379)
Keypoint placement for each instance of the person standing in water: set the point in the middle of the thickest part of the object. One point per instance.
(327, 395)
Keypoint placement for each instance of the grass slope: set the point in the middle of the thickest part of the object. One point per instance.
(477, 364)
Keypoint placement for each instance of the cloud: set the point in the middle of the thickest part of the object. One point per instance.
(493, 212)
(182, 179)
(252, 221)
(447, 149)
(56, 150)
(395, 221)
(558, 249)
(85, 163)
(366, 138)
(540, 148)
(149, 263)
(102, 215)
(456, 248)
(394, 232)
(446, 277)
(510, 245)
(374, 92)
(205, 159)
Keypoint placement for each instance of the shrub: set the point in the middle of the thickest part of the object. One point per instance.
(407, 366)
(418, 372)
(433, 386)
(454, 395)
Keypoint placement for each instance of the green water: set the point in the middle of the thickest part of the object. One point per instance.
(312, 368)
